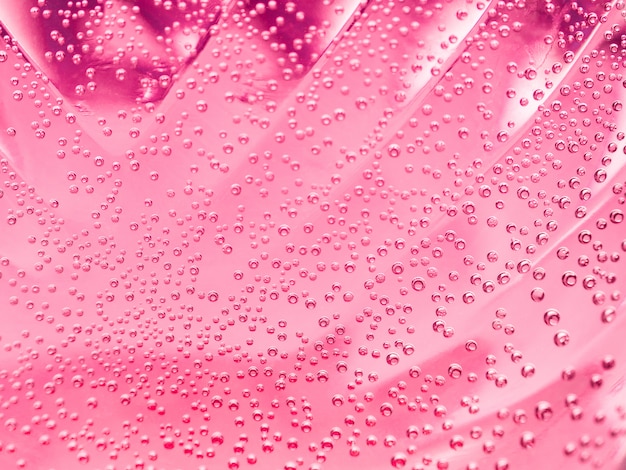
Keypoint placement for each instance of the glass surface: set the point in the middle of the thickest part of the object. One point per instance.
(317, 234)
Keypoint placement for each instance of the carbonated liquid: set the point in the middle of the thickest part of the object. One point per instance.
(316, 234)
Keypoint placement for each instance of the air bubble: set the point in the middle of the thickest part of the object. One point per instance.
(418, 284)
(561, 338)
(455, 371)
(393, 359)
(569, 279)
(551, 317)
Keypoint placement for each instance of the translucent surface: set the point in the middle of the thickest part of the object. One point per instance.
(312, 235)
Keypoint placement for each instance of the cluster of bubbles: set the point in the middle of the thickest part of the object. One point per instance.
(310, 235)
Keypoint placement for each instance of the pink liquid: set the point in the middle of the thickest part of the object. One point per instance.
(315, 235)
